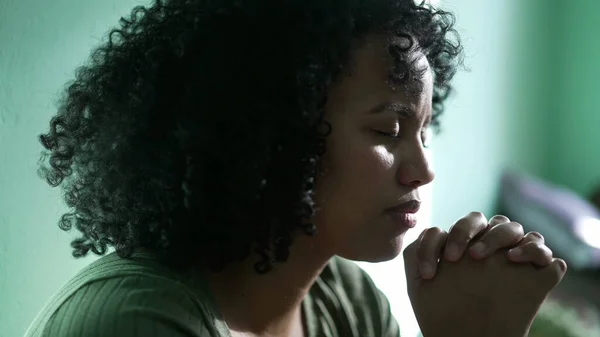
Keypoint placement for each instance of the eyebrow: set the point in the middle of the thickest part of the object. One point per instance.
(404, 111)
(399, 108)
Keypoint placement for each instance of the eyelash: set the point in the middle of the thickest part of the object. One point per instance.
(397, 136)
(388, 134)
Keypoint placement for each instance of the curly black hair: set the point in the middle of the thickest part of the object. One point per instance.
(195, 130)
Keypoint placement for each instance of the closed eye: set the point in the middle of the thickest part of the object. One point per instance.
(394, 135)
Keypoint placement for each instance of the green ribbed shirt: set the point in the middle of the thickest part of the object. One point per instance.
(139, 296)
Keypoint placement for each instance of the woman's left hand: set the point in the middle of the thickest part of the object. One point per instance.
(482, 238)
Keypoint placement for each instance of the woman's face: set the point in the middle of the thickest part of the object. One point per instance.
(375, 157)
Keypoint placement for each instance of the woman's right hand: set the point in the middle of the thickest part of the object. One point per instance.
(487, 298)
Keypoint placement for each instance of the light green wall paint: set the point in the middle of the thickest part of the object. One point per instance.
(41, 43)
(575, 139)
(531, 102)
(499, 115)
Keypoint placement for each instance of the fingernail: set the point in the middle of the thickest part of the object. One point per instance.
(479, 248)
(452, 253)
(563, 266)
(426, 270)
(515, 252)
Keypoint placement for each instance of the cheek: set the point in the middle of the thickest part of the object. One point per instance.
(353, 193)
(357, 177)
(365, 165)
(378, 159)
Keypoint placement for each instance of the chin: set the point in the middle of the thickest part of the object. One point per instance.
(376, 252)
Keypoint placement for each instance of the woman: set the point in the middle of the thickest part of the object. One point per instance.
(236, 155)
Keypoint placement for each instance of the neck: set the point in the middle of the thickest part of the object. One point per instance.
(268, 305)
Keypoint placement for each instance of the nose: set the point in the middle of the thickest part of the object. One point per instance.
(415, 169)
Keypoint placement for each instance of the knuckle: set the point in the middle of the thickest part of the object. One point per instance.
(467, 229)
(544, 250)
(509, 233)
(500, 218)
(477, 215)
(537, 249)
(430, 242)
(460, 235)
(536, 236)
(545, 257)
(534, 249)
(435, 231)
(517, 227)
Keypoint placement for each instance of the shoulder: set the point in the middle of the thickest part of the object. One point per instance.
(353, 283)
(364, 304)
(127, 298)
(349, 275)
(125, 306)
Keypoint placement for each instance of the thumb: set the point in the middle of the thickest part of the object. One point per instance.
(411, 266)
(554, 273)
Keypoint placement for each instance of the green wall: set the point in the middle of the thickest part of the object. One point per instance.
(575, 139)
(531, 101)
(501, 112)
(41, 43)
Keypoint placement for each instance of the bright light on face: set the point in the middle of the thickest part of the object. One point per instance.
(588, 230)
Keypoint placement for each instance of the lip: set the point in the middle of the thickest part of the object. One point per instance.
(405, 214)
(410, 207)
(405, 220)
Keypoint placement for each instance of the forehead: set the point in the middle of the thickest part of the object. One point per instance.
(367, 77)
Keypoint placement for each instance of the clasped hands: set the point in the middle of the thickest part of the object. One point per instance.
(481, 278)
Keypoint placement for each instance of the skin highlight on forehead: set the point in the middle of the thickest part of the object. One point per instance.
(419, 86)
(409, 63)
(373, 62)
(413, 83)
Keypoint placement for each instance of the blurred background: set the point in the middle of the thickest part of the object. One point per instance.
(519, 137)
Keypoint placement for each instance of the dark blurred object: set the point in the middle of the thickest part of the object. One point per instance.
(579, 292)
(563, 319)
(571, 227)
(595, 198)
(570, 224)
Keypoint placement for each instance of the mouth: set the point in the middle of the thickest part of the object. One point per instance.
(409, 207)
(404, 215)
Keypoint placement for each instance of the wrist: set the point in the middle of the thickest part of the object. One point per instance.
(500, 325)
(496, 325)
